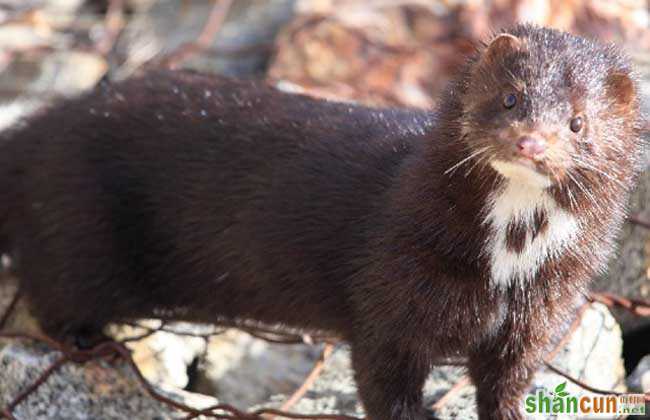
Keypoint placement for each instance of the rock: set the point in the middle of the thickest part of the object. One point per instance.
(233, 366)
(44, 65)
(22, 37)
(32, 81)
(639, 380)
(94, 390)
(629, 270)
(164, 357)
(69, 73)
(247, 371)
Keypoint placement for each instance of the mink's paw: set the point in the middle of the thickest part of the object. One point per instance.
(86, 340)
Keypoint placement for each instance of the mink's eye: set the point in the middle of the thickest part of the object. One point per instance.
(576, 124)
(509, 100)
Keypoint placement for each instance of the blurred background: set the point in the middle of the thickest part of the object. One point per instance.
(377, 52)
(380, 52)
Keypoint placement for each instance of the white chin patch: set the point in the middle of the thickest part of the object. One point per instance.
(520, 173)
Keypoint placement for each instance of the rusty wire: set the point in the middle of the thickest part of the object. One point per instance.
(120, 351)
(272, 335)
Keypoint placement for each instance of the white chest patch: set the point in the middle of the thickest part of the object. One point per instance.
(518, 204)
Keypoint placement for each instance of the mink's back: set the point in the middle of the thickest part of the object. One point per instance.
(186, 191)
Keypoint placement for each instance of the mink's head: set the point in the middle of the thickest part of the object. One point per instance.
(552, 110)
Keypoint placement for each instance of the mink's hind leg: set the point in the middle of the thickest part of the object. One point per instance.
(390, 381)
(69, 289)
(62, 318)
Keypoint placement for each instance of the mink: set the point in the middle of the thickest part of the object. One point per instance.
(471, 230)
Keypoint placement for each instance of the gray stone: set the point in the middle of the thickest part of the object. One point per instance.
(235, 367)
(629, 270)
(639, 380)
(246, 371)
(94, 390)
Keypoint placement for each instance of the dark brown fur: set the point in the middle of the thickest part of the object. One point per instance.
(199, 198)
(516, 237)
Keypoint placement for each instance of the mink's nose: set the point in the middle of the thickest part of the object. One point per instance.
(531, 146)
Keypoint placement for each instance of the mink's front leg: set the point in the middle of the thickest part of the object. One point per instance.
(390, 379)
(502, 368)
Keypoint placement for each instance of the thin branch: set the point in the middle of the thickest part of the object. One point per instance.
(113, 23)
(453, 391)
(636, 220)
(204, 40)
(638, 307)
(311, 378)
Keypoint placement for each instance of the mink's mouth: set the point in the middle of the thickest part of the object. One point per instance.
(534, 165)
(523, 170)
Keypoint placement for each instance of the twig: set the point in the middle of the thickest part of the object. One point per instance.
(313, 375)
(638, 307)
(204, 40)
(454, 390)
(636, 220)
(114, 23)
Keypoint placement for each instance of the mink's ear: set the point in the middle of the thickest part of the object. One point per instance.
(621, 88)
(501, 45)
